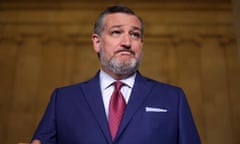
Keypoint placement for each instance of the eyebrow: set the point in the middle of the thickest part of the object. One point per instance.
(134, 27)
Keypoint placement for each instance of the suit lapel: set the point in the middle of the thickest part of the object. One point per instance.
(92, 93)
(140, 91)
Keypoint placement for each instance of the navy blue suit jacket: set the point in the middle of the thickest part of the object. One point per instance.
(156, 113)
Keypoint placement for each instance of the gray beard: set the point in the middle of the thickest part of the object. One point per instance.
(118, 67)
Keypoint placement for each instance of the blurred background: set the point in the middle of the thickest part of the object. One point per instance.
(193, 44)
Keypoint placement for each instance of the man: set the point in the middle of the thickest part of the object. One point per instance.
(147, 112)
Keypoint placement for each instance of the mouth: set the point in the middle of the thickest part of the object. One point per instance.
(125, 52)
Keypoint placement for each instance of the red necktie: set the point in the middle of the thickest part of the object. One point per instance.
(116, 109)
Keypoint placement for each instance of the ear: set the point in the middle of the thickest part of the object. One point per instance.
(96, 42)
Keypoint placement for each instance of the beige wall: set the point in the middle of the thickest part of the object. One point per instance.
(43, 46)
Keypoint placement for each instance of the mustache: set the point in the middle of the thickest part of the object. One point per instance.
(125, 50)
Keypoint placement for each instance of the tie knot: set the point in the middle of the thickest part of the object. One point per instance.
(118, 85)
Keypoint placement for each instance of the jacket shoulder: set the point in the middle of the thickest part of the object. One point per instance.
(162, 85)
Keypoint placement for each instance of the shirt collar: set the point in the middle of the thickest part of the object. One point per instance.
(106, 80)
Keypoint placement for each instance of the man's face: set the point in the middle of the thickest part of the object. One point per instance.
(120, 44)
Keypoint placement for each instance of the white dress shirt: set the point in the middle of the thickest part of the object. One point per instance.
(107, 88)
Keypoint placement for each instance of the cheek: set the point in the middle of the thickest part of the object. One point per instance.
(138, 50)
(110, 46)
(106, 51)
(139, 55)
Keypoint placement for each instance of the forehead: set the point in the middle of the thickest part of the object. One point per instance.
(121, 19)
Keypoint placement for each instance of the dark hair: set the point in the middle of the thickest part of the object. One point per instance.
(98, 26)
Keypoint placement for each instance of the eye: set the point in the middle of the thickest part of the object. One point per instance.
(135, 35)
(115, 33)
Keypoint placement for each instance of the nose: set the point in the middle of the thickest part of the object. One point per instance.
(126, 41)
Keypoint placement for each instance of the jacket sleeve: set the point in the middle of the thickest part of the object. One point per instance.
(46, 130)
(187, 131)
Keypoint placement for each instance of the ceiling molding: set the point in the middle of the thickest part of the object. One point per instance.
(101, 5)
